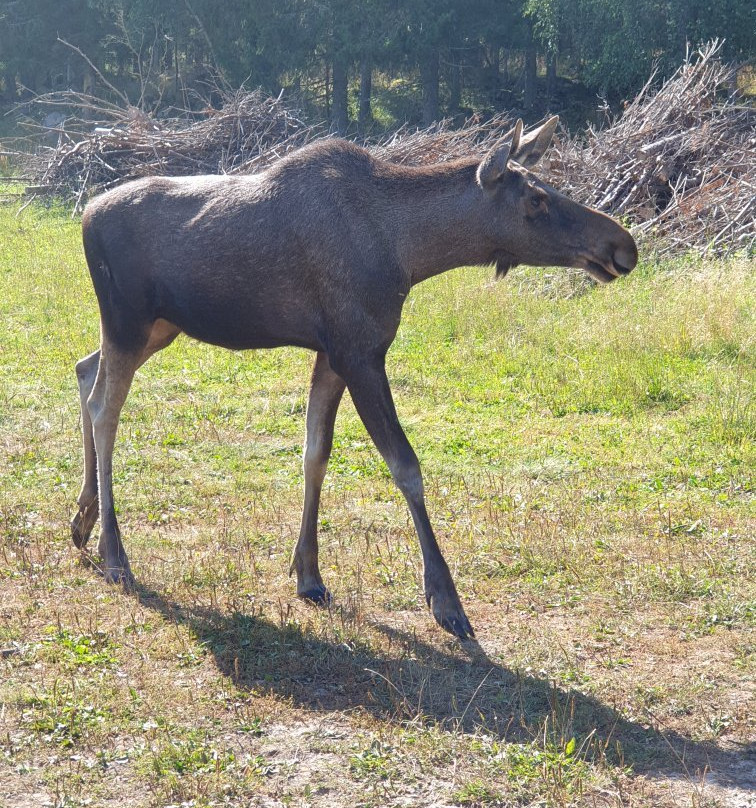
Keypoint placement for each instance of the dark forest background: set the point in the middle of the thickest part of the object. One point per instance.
(363, 65)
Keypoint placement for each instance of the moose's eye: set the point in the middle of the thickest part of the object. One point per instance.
(535, 202)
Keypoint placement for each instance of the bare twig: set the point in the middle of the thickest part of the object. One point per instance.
(94, 67)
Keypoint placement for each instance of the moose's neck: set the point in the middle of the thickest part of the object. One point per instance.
(439, 220)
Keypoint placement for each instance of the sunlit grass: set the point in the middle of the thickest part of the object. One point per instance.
(588, 456)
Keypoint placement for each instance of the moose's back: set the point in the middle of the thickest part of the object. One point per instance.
(243, 261)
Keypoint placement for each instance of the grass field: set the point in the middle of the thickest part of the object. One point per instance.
(588, 455)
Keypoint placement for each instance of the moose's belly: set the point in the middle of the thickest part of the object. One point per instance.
(244, 318)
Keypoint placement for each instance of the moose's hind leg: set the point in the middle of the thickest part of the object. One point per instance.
(114, 376)
(89, 506)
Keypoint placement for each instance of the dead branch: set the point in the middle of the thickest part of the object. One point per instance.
(94, 67)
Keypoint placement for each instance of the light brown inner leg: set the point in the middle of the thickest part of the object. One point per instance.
(100, 416)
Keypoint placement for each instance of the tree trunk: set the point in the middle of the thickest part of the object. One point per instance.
(327, 90)
(366, 89)
(176, 70)
(455, 86)
(340, 109)
(504, 76)
(494, 60)
(682, 24)
(529, 99)
(88, 88)
(493, 70)
(9, 81)
(168, 54)
(551, 76)
(429, 81)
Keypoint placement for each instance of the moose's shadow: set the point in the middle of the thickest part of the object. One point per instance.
(463, 690)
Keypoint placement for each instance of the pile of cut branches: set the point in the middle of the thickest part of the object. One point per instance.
(443, 142)
(249, 130)
(247, 133)
(679, 163)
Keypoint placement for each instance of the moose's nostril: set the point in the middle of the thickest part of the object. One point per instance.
(625, 259)
(622, 270)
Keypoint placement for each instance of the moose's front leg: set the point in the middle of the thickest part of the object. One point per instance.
(326, 389)
(371, 394)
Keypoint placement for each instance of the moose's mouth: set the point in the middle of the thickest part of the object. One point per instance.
(603, 275)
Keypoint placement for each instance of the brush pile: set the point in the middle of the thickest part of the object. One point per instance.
(249, 131)
(442, 142)
(679, 163)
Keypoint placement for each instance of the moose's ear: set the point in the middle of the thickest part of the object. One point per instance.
(494, 164)
(534, 144)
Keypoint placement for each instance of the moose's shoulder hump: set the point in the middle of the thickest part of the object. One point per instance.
(325, 153)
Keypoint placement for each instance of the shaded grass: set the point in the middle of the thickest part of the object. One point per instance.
(588, 455)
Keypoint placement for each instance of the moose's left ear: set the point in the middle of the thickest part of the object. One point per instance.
(534, 144)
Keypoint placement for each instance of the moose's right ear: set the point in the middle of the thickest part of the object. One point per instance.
(531, 147)
(494, 164)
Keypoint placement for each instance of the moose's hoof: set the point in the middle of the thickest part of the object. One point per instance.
(78, 536)
(458, 625)
(318, 595)
(81, 526)
(121, 576)
(449, 614)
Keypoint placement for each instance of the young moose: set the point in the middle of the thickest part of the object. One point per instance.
(319, 251)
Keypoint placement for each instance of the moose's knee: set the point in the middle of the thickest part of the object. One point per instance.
(405, 469)
(315, 463)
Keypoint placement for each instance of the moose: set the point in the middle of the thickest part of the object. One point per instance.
(318, 251)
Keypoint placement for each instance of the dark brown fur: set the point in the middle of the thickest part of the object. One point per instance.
(320, 251)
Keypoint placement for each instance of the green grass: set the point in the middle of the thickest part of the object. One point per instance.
(588, 456)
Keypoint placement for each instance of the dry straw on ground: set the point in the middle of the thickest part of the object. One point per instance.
(679, 163)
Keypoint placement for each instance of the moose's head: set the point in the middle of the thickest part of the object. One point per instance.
(532, 223)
